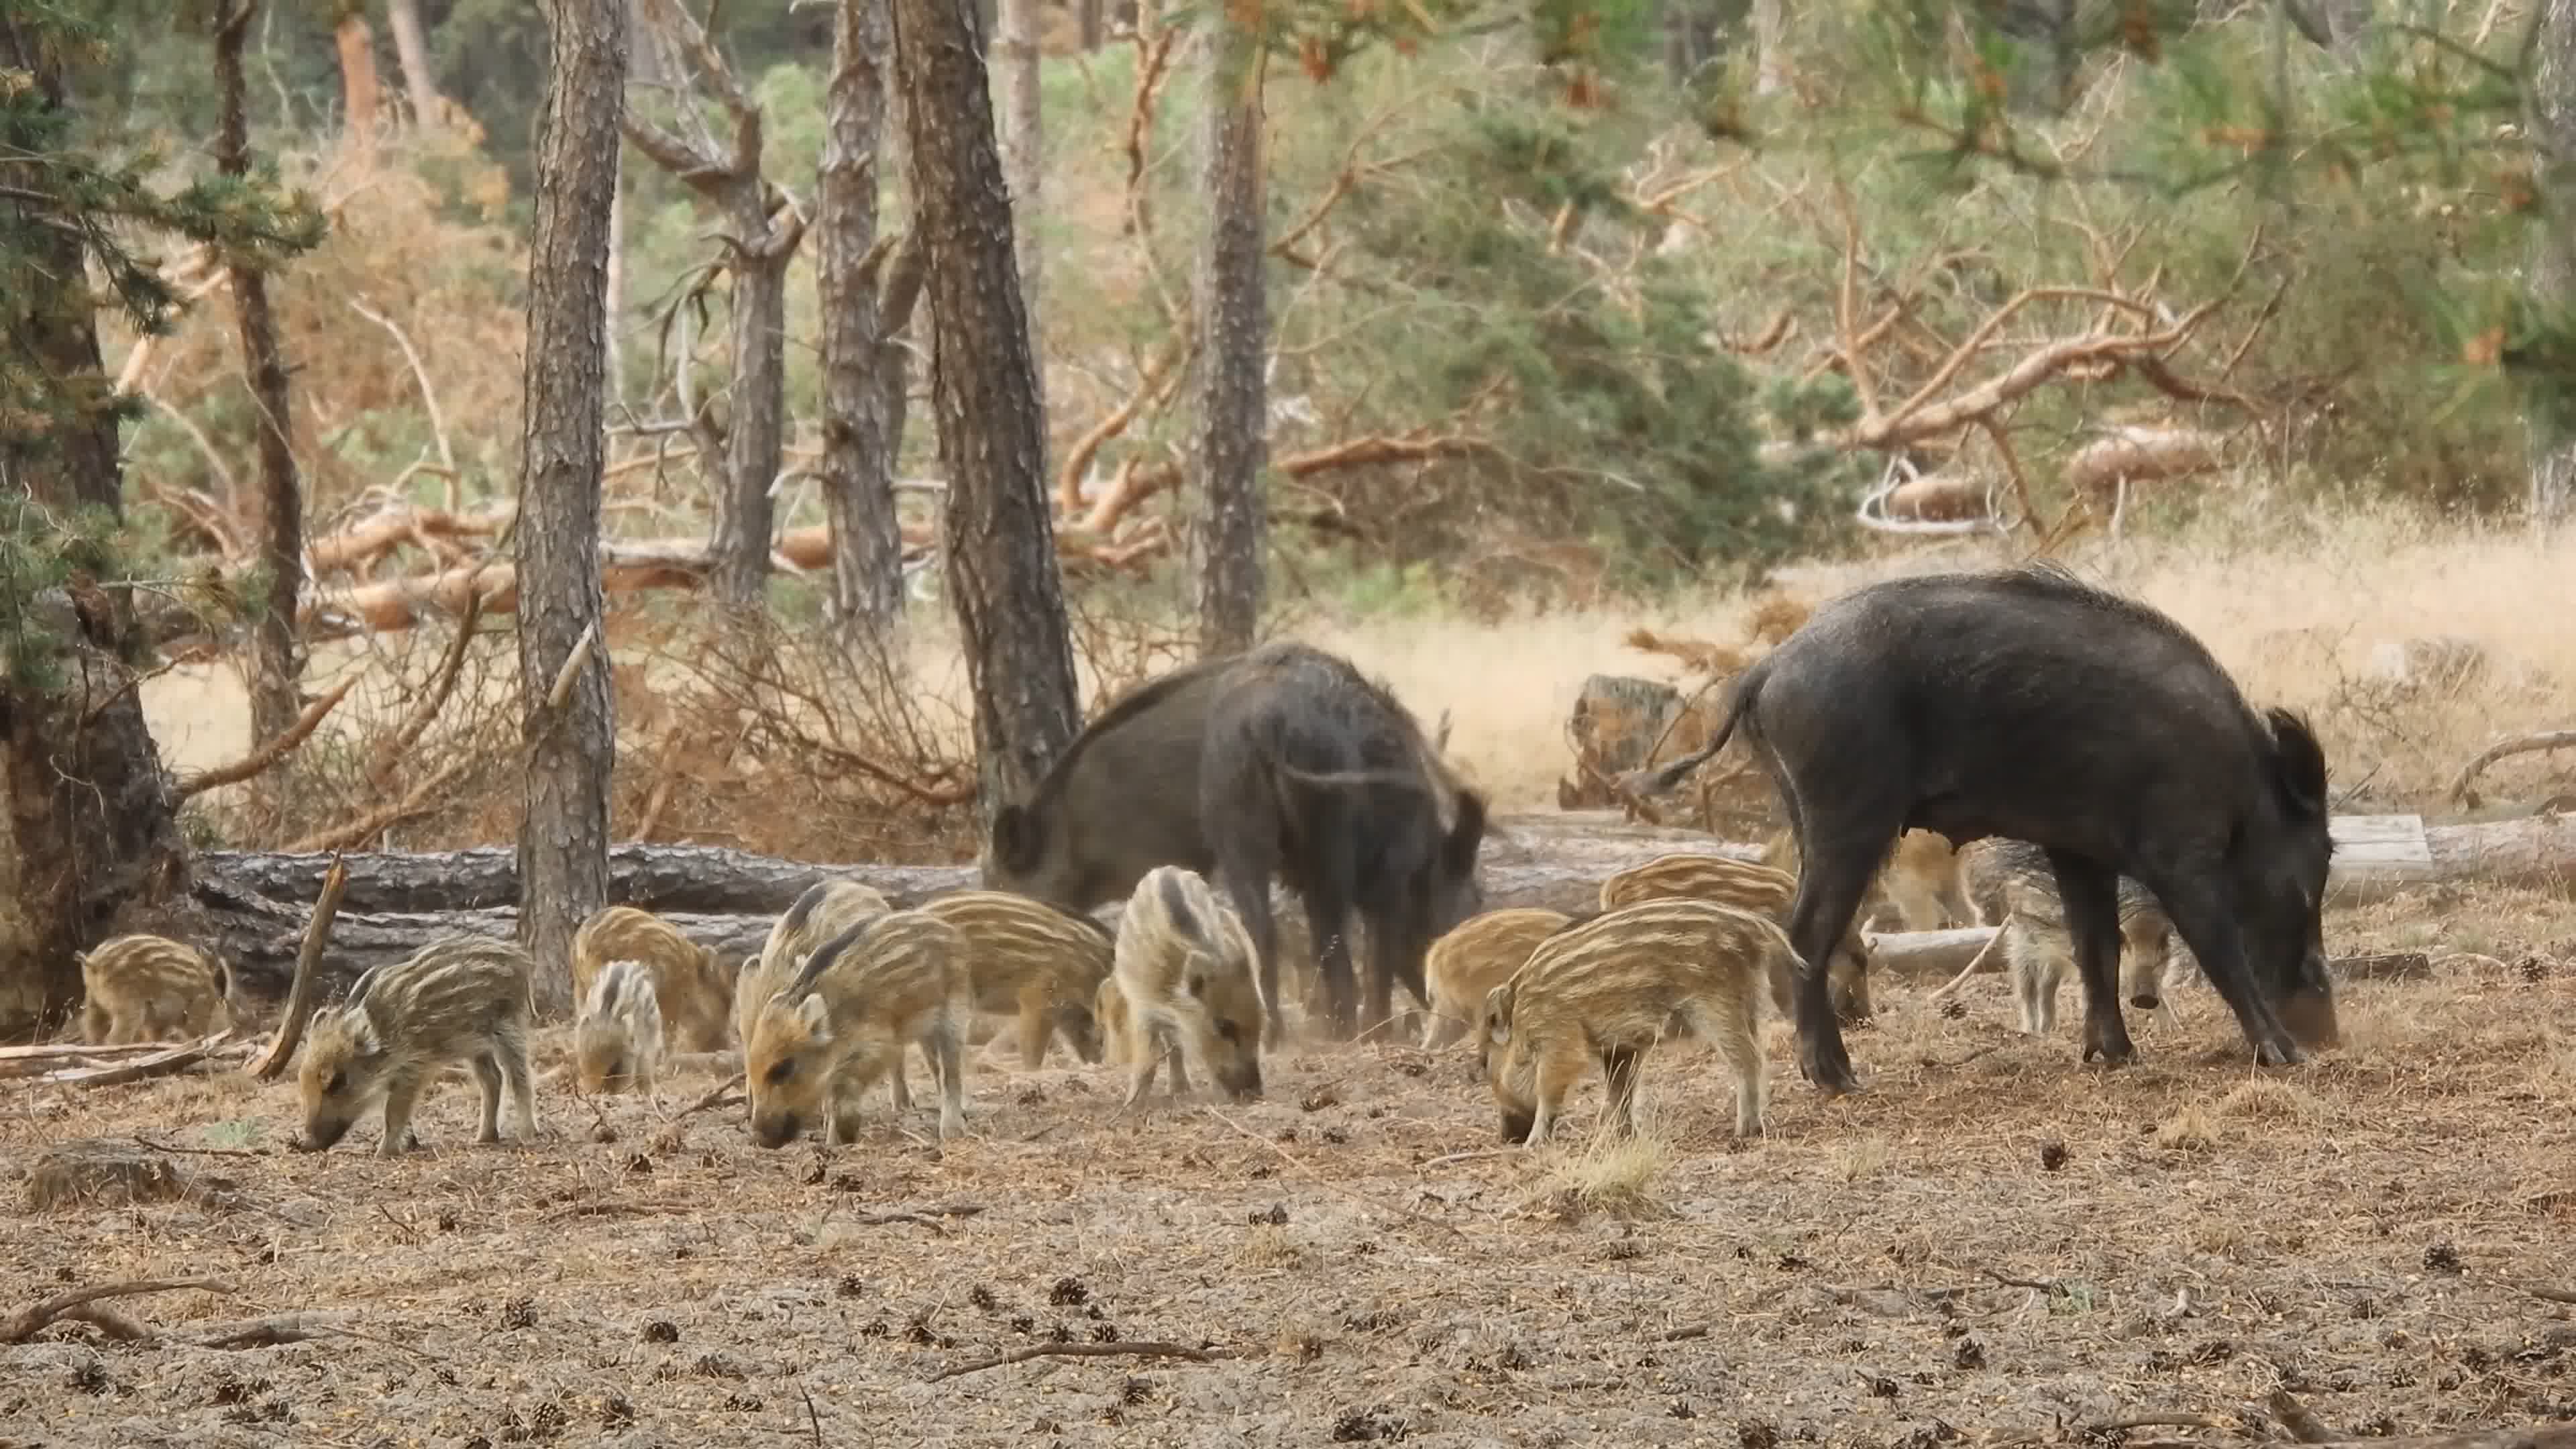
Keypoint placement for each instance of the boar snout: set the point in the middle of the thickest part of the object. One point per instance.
(1517, 1123)
(2146, 998)
(1243, 1083)
(321, 1133)
(2309, 1013)
(777, 1129)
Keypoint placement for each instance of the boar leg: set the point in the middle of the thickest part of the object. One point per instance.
(2202, 916)
(2034, 956)
(948, 1063)
(487, 1084)
(1145, 1058)
(1560, 1065)
(1735, 1031)
(1037, 1026)
(1619, 1075)
(400, 1097)
(1840, 859)
(513, 1059)
(2090, 892)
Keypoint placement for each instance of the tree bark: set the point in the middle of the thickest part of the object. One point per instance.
(1770, 38)
(613, 303)
(1023, 167)
(2551, 409)
(1090, 18)
(276, 662)
(88, 818)
(996, 534)
(570, 743)
(764, 231)
(358, 89)
(1234, 340)
(411, 47)
(859, 439)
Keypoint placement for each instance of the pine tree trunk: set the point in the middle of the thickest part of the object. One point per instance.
(997, 537)
(613, 304)
(756, 428)
(1234, 341)
(276, 662)
(858, 451)
(2551, 410)
(358, 92)
(563, 838)
(88, 819)
(1090, 18)
(1024, 165)
(411, 47)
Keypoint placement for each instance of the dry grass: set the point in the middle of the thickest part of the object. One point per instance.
(2354, 1229)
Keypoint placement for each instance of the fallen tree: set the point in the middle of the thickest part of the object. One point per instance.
(725, 899)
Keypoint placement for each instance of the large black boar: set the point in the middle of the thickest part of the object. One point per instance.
(1282, 761)
(2026, 704)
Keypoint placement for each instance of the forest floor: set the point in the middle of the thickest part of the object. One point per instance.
(1991, 1243)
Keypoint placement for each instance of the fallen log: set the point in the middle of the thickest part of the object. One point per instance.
(715, 880)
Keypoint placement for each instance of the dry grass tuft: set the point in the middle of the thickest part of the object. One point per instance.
(1613, 1174)
(2187, 1130)
(1269, 1246)
(2268, 1099)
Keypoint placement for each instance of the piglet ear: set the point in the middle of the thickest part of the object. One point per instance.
(810, 1014)
(370, 1042)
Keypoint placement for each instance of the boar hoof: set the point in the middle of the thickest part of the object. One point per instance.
(2111, 1052)
(1831, 1072)
(2282, 1053)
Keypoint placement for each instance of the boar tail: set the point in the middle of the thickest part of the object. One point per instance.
(1647, 784)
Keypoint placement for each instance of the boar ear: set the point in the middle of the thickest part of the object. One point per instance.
(1498, 1013)
(2298, 762)
(1015, 839)
(1467, 836)
(362, 1030)
(810, 1014)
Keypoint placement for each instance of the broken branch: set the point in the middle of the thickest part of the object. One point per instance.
(275, 750)
(34, 1320)
(1086, 1350)
(300, 994)
(2506, 749)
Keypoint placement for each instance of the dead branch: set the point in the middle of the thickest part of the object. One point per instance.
(2141, 454)
(300, 994)
(34, 1320)
(2505, 749)
(358, 548)
(280, 1329)
(366, 827)
(1782, 324)
(1154, 59)
(1086, 1350)
(1077, 459)
(275, 750)
(1844, 306)
(924, 1217)
(206, 450)
(1415, 447)
(441, 685)
(428, 394)
(1918, 417)
(159, 1064)
(711, 1099)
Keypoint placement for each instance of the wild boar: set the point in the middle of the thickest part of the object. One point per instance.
(1761, 889)
(1040, 962)
(2027, 704)
(693, 995)
(1473, 958)
(845, 1018)
(1283, 761)
(1609, 989)
(1917, 889)
(617, 1031)
(823, 910)
(143, 988)
(1117, 1023)
(2013, 888)
(1184, 965)
(457, 998)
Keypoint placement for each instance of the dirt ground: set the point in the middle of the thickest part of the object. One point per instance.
(1991, 1244)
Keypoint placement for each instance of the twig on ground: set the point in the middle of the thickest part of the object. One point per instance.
(1478, 1155)
(2011, 1282)
(2162, 1421)
(286, 1328)
(142, 1141)
(2547, 1294)
(715, 1098)
(612, 1208)
(160, 1064)
(1088, 1350)
(33, 1320)
(928, 1217)
(1320, 1181)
